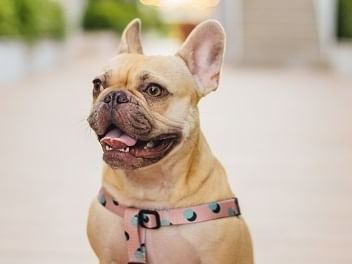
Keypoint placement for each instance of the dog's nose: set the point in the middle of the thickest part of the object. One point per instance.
(118, 97)
(121, 97)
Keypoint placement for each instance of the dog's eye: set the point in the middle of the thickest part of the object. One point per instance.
(155, 90)
(97, 85)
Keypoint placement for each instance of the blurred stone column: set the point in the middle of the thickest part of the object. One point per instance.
(73, 11)
(229, 13)
(326, 17)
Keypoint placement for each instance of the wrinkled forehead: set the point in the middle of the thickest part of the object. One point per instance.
(129, 69)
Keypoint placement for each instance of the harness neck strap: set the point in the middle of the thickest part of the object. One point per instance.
(137, 221)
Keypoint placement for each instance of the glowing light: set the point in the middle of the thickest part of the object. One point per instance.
(181, 3)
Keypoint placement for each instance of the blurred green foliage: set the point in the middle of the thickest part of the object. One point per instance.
(344, 19)
(9, 21)
(31, 20)
(115, 15)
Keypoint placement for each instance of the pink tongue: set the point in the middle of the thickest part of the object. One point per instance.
(117, 139)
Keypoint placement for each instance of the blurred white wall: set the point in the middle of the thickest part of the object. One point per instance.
(271, 31)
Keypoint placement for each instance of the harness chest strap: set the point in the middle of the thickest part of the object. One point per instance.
(136, 220)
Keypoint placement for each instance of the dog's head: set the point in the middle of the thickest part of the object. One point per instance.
(145, 107)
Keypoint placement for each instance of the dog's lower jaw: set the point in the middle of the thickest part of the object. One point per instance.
(189, 176)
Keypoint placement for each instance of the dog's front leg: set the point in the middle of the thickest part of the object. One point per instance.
(106, 235)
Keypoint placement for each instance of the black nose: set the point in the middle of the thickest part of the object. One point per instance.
(118, 97)
(121, 97)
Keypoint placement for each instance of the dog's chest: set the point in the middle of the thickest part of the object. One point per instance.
(171, 244)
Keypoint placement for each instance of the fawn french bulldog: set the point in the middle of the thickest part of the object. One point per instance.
(165, 198)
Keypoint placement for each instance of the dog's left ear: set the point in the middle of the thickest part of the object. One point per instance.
(203, 53)
(130, 39)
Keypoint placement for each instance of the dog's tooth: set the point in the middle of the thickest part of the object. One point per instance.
(150, 144)
(127, 149)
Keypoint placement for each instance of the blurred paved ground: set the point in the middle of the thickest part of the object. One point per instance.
(284, 136)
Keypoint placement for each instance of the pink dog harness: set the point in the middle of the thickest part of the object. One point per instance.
(136, 220)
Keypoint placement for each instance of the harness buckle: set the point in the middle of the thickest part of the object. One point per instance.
(143, 218)
(238, 209)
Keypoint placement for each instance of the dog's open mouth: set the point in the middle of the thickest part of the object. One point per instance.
(116, 143)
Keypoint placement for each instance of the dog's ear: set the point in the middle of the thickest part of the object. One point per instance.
(130, 39)
(203, 53)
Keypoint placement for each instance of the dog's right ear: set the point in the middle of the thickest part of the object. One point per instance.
(203, 53)
(130, 39)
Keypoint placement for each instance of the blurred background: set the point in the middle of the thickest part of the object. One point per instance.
(280, 121)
